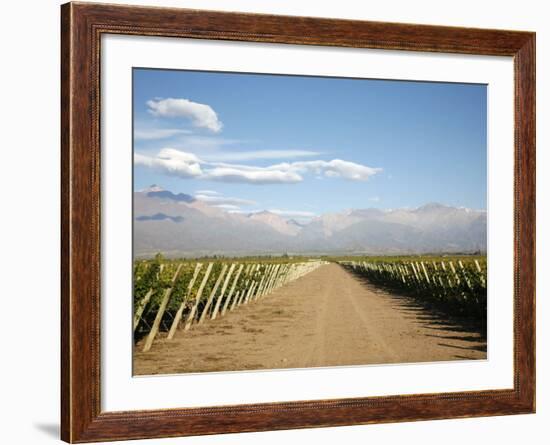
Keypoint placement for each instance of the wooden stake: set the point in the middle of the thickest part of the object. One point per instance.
(222, 292)
(233, 286)
(454, 272)
(179, 313)
(160, 312)
(447, 275)
(465, 275)
(250, 295)
(252, 274)
(143, 303)
(425, 272)
(247, 295)
(272, 279)
(191, 314)
(141, 307)
(237, 302)
(237, 296)
(212, 294)
(478, 267)
(262, 283)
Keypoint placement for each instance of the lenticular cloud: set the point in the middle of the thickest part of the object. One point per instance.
(188, 165)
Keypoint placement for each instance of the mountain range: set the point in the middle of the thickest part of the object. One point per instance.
(183, 226)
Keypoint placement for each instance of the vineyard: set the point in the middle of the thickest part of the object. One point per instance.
(457, 284)
(171, 296)
(174, 296)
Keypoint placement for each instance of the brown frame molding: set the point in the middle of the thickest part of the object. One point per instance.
(82, 25)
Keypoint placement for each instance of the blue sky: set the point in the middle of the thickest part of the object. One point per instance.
(309, 145)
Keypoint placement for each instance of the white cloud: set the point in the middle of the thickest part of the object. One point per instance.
(201, 115)
(375, 199)
(289, 172)
(177, 156)
(259, 154)
(293, 213)
(243, 212)
(254, 175)
(140, 159)
(336, 169)
(206, 192)
(147, 134)
(172, 162)
(223, 200)
(187, 165)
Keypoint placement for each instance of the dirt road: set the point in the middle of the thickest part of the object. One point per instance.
(328, 317)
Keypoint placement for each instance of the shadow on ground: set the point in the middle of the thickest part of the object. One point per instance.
(432, 316)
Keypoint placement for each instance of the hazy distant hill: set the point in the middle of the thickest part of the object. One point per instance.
(179, 225)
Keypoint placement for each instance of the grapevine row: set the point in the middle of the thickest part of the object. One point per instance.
(169, 296)
(461, 286)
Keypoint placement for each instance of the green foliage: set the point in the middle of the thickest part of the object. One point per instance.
(405, 258)
(264, 259)
(158, 275)
(146, 276)
(459, 284)
(180, 288)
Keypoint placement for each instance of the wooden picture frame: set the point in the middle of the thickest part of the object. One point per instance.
(82, 26)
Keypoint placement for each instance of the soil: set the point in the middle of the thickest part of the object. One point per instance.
(329, 317)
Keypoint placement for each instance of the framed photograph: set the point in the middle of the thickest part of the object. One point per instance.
(274, 222)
